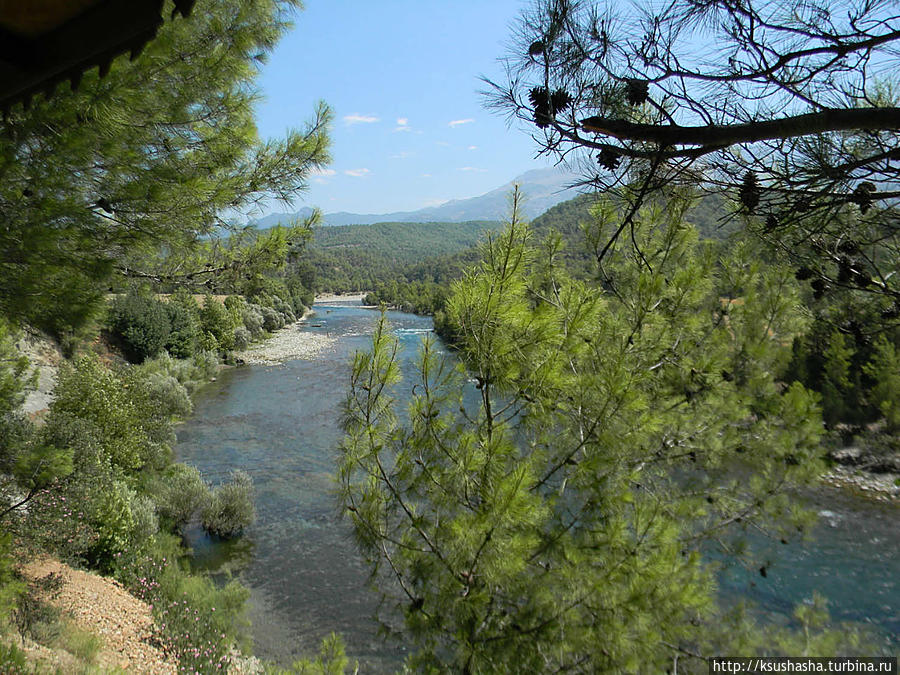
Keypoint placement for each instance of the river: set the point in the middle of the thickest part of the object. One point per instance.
(281, 424)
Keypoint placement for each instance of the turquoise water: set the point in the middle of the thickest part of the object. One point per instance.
(281, 424)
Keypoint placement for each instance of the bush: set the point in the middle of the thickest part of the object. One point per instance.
(185, 331)
(272, 320)
(130, 427)
(180, 493)
(253, 320)
(170, 396)
(283, 308)
(217, 321)
(230, 508)
(114, 523)
(242, 338)
(207, 342)
(197, 622)
(14, 660)
(140, 323)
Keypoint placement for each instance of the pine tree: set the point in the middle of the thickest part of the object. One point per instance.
(552, 518)
(884, 369)
(153, 153)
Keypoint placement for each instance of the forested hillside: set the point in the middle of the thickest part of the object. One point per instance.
(361, 257)
(419, 283)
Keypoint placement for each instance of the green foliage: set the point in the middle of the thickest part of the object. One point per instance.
(141, 324)
(180, 493)
(272, 320)
(113, 522)
(27, 463)
(848, 356)
(11, 587)
(253, 321)
(97, 179)
(191, 373)
(554, 515)
(117, 409)
(13, 368)
(370, 257)
(183, 315)
(230, 507)
(884, 369)
(171, 397)
(242, 338)
(197, 622)
(14, 660)
(215, 320)
(331, 660)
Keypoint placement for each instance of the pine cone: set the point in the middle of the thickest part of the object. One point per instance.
(749, 193)
(638, 91)
(609, 159)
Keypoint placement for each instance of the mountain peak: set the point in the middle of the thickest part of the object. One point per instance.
(541, 189)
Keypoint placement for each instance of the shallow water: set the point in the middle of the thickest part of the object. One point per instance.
(281, 424)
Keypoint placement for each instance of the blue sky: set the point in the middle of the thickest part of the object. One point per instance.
(402, 78)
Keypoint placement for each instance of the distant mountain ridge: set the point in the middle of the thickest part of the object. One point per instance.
(542, 188)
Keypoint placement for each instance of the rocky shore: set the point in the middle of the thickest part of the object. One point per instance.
(875, 474)
(291, 342)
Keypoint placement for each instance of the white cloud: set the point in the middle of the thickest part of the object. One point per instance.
(401, 155)
(356, 173)
(356, 118)
(402, 121)
(426, 175)
(443, 144)
(456, 123)
(472, 147)
(318, 171)
(471, 168)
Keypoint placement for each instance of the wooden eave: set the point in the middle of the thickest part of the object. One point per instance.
(45, 42)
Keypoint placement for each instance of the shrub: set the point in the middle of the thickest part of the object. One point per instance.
(207, 342)
(284, 308)
(331, 660)
(253, 320)
(216, 320)
(14, 660)
(131, 428)
(170, 396)
(197, 622)
(181, 492)
(10, 586)
(114, 523)
(191, 373)
(141, 325)
(242, 338)
(185, 331)
(230, 508)
(272, 320)
(13, 367)
(143, 513)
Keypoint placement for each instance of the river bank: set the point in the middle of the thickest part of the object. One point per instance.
(354, 299)
(291, 342)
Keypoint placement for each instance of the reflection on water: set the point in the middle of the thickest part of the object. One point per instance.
(281, 424)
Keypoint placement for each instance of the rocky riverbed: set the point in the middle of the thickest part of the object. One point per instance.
(291, 342)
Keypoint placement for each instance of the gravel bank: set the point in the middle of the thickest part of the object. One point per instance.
(287, 344)
(103, 607)
(345, 299)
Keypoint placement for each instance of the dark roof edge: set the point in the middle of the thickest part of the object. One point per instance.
(93, 38)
